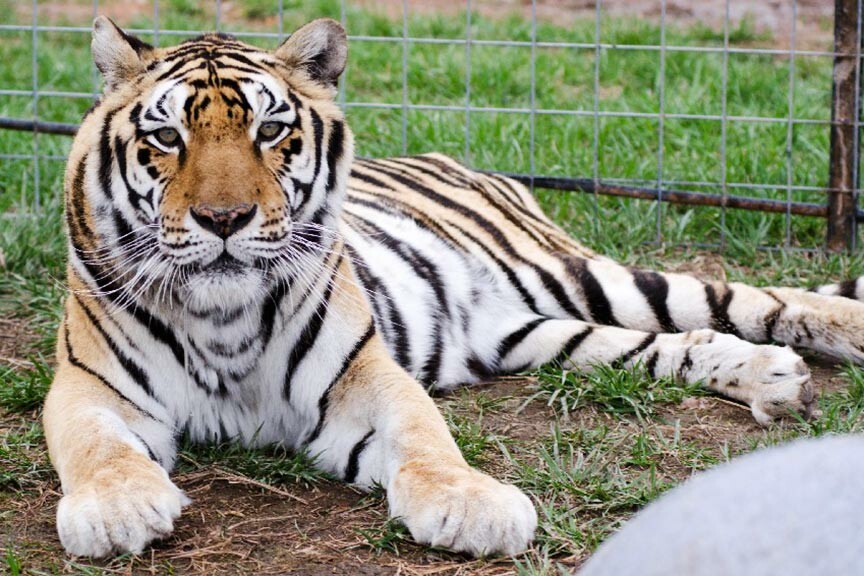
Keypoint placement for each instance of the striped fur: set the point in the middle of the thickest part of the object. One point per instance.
(311, 323)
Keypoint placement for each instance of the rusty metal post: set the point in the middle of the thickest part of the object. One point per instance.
(843, 172)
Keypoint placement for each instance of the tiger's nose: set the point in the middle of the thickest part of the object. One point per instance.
(223, 221)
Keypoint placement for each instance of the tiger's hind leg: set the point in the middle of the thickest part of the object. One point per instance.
(772, 380)
(664, 302)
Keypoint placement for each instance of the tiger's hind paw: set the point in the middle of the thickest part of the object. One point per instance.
(782, 385)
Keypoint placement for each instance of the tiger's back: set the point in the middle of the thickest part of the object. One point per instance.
(452, 261)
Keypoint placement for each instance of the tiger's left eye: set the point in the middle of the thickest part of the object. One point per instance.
(269, 131)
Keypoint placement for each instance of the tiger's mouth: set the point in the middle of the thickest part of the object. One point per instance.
(224, 264)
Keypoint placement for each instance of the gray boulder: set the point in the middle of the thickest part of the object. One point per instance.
(796, 509)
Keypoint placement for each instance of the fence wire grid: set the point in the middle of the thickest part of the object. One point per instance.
(399, 102)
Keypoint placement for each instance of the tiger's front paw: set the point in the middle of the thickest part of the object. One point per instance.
(462, 510)
(119, 511)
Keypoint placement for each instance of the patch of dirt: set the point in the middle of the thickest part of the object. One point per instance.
(16, 341)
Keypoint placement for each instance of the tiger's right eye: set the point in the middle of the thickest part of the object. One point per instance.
(168, 137)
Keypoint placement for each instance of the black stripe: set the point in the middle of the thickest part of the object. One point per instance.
(222, 350)
(124, 230)
(150, 453)
(479, 369)
(772, 317)
(324, 401)
(307, 187)
(847, 289)
(353, 466)
(398, 209)
(268, 311)
(174, 68)
(106, 162)
(242, 69)
(626, 357)
(428, 272)
(235, 54)
(474, 186)
(655, 288)
(512, 277)
(382, 299)
(720, 320)
(551, 235)
(219, 316)
(81, 366)
(335, 147)
(136, 43)
(221, 388)
(76, 216)
(160, 331)
(569, 347)
(651, 364)
(138, 375)
(598, 305)
(309, 334)
(507, 189)
(515, 338)
(686, 364)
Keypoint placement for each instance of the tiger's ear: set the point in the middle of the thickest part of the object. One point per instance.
(320, 48)
(118, 56)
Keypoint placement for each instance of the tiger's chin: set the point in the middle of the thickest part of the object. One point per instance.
(210, 291)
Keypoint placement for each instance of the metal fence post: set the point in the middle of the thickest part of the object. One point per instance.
(843, 169)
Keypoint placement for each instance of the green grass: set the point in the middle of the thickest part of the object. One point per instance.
(842, 411)
(586, 477)
(272, 465)
(24, 389)
(13, 563)
(20, 469)
(386, 537)
(630, 392)
(629, 81)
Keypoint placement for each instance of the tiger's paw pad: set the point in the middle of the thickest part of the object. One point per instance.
(464, 511)
(114, 514)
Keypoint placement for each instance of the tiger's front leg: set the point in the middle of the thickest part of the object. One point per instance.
(111, 455)
(381, 427)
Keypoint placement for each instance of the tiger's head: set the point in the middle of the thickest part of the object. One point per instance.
(208, 170)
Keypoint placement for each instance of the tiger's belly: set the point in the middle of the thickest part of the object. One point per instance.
(441, 309)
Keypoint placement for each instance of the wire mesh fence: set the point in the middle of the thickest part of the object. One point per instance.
(623, 100)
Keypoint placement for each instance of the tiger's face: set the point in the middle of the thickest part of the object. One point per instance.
(211, 169)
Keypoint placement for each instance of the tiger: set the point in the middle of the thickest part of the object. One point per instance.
(235, 274)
